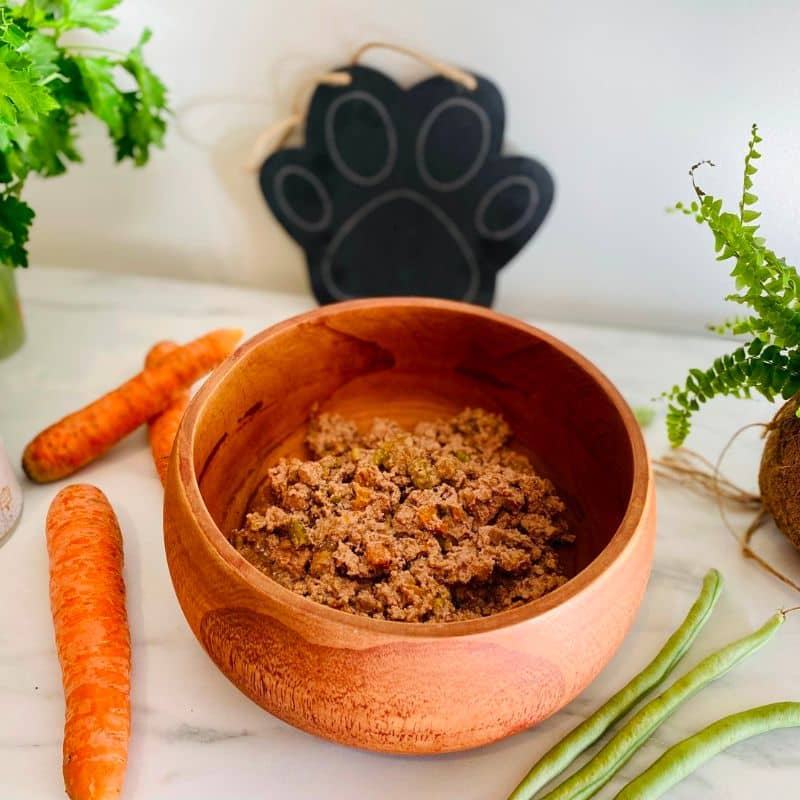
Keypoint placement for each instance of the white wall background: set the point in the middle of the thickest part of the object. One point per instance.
(618, 98)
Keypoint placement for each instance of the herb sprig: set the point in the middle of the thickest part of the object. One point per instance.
(45, 85)
(768, 362)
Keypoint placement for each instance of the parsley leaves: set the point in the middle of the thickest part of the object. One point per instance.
(46, 85)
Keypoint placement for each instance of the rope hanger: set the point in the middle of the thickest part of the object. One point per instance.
(275, 136)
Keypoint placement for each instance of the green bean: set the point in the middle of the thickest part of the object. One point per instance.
(598, 772)
(686, 756)
(557, 759)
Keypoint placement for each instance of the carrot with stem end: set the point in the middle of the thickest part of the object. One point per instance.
(83, 436)
(163, 427)
(87, 597)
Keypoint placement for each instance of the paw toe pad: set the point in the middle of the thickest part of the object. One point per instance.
(405, 192)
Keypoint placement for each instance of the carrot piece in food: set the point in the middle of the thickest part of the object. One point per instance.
(163, 427)
(83, 436)
(87, 597)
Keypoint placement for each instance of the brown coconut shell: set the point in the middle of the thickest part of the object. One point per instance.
(779, 475)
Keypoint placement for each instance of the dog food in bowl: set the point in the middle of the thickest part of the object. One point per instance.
(444, 522)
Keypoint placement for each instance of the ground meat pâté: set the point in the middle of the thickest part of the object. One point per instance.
(442, 523)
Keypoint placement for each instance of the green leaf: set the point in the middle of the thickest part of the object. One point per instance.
(20, 94)
(748, 198)
(45, 85)
(105, 98)
(52, 145)
(89, 14)
(727, 252)
(152, 91)
(759, 373)
(678, 425)
(779, 377)
(701, 378)
(11, 33)
(644, 415)
(43, 54)
(791, 387)
(748, 215)
(143, 110)
(15, 222)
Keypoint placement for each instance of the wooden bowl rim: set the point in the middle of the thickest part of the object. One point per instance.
(292, 602)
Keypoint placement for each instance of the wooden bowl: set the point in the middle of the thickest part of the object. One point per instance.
(395, 686)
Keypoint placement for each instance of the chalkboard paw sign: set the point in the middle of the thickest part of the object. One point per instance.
(405, 192)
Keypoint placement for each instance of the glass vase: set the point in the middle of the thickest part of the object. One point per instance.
(12, 331)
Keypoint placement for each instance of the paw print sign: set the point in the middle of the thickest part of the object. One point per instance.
(406, 192)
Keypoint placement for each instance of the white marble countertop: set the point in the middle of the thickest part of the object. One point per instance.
(195, 737)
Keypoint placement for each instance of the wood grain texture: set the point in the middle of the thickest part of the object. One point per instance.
(393, 686)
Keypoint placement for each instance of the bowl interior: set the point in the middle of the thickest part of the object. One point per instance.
(412, 360)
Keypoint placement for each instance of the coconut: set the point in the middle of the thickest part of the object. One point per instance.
(779, 474)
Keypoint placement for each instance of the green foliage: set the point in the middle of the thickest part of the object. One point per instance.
(46, 85)
(15, 221)
(88, 14)
(143, 122)
(644, 415)
(768, 362)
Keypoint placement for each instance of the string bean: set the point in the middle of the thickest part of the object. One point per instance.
(686, 756)
(610, 759)
(558, 758)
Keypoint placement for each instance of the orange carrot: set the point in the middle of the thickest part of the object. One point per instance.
(83, 436)
(163, 427)
(87, 597)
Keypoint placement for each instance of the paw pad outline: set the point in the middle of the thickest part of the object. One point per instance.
(442, 223)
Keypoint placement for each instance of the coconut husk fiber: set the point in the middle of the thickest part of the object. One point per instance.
(779, 483)
(779, 475)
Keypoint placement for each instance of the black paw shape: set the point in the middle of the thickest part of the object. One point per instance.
(405, 192)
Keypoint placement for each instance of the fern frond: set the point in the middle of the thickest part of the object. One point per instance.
(748, 198)
(769, 361)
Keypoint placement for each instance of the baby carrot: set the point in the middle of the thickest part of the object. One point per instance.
(686, 756)
(163, 427)
(83, 436)
(558, 758)
(87, 597)
(587, 781)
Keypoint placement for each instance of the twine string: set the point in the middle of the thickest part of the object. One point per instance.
(274, 136)
(444, 69)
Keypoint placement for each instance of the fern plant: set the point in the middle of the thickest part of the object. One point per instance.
(768, 360)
